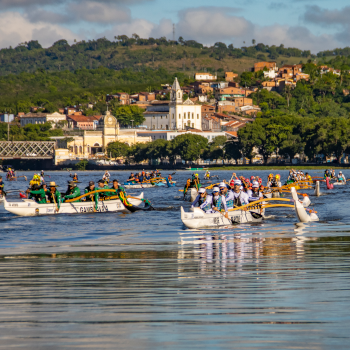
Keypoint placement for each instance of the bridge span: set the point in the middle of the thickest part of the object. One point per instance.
(27, 149)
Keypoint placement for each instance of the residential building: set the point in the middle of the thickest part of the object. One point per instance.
(271, 73)
(269, 85)
(230, 76)
(234, 125)
(41, 118)
(249, 110)
(205, 76)
(202, 87)
(83, 122)
(211, 124)
(7, 118)
(242, 101)
(289, 71)
(261, 65)
(226, 106)
(146, 96)
(207, 110)
(70, 110)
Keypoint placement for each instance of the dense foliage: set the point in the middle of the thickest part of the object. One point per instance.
(30, 132)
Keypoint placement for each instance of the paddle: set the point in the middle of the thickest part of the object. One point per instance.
(54, 200)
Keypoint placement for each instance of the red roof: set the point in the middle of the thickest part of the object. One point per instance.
(84, 118)
(232, 133)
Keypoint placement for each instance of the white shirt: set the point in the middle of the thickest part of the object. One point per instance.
(252, 196)
(243, 197)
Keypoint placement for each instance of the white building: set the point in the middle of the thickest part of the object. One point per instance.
(272, 73)
(173, 115)
(204, 76)
(170, 135)
(41, 118)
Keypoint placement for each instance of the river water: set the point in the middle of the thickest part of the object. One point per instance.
(142, 280)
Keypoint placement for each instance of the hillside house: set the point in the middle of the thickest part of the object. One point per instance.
(205, 76)
(230, 76)
(261, 65)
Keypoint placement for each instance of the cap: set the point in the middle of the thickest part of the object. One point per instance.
(255, 184)
(201, 190)
(115, 180)
(237, 182)
(101, 181)
(216, 189)
(222, 184)
(91, 183)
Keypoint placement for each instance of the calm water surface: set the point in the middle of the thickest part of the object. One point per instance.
(130, 281)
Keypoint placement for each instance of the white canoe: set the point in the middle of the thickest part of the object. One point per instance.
(2, 198)
(136, 186)
(300, 211)
(29, 207)
(197, 218)
(338, 183)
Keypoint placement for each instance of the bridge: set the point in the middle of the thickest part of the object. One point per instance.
(27, 149)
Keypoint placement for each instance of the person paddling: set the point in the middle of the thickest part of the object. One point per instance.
(229, 198)
(204, 200)
(92, 197)
(73, 191)
(240, 197)
(53, 195)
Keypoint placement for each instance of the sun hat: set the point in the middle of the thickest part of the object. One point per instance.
(201, 190)
(255, 184)
(237, 182)
(222, 184)
(216, 189)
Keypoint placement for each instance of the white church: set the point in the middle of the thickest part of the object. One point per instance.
(176, 115)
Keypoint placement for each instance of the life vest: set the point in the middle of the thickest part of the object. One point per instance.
(170, 178)
(237, 202)
(217, 202)
(75, 178)
(229, 203)
(201, 201)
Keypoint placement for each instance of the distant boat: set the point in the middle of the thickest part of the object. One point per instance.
(196, 169)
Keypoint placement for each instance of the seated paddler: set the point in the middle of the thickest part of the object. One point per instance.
(39, 195)
(53, 195)
(204, 200)
(72, 192)
(91, 197)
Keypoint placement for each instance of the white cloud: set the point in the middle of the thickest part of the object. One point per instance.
(15, 28)
(93, 11)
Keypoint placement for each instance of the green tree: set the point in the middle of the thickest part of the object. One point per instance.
(189, 147)
(118, 149)
(125, 114)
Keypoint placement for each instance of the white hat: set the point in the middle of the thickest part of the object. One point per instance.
(238, 182)
(255, 184)
(340, 172)
(201, 190)
(216, 189)
(222, 184)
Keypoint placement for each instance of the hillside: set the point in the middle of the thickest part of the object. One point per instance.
(187, 56)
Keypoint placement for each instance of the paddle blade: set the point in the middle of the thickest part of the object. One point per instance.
(255, 215)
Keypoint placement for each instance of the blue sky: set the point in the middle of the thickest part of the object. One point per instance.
(306, 24)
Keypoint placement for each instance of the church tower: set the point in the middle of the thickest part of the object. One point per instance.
(176, 93)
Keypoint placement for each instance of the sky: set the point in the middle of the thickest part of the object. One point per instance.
(314, 25)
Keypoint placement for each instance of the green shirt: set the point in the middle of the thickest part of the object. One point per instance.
(91, 197)
(75, 192)
(54, 197)
(39, 195)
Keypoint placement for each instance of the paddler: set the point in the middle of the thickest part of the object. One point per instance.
(53, 195)
(170, 179)
(254, 194)
(117, 187)
(131, 178)
(75, 176)
(92, 197)
(204, 200)
(187, 186)
(106, 176)
(207, 175)
(218, 202)
(240, 197)
(102, 186)
(39, 194)
(308, 177)
(2, 186)
(195, 181)
(327, 174)
(341, 177)
(73, 191)
(229, 198)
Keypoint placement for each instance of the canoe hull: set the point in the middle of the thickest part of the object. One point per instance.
(31, 208)
(198, 219)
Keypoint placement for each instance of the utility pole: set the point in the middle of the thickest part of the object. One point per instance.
(8, 128)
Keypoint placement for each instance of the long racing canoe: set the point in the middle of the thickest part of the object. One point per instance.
(29, 207)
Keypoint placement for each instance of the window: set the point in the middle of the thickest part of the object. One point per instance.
(80, 149)
(154, 117)
(189, 115)
(192, 125)
(185, 115)
(179, 95)
(192, 115)
(167, 127)
(173, 116)
(161, 126)
(197, 116)
(154, 126)
(76, 149)
(179, 116)
(189, 123)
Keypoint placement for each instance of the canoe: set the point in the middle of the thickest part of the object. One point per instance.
(300, 211)
(2, 198)
(137, 186)
(196, 169)
(28, 207)
(339, 183)
(191, 194)
(197, 218)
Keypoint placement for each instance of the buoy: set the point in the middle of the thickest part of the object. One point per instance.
(317, 189)
(329, 186)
